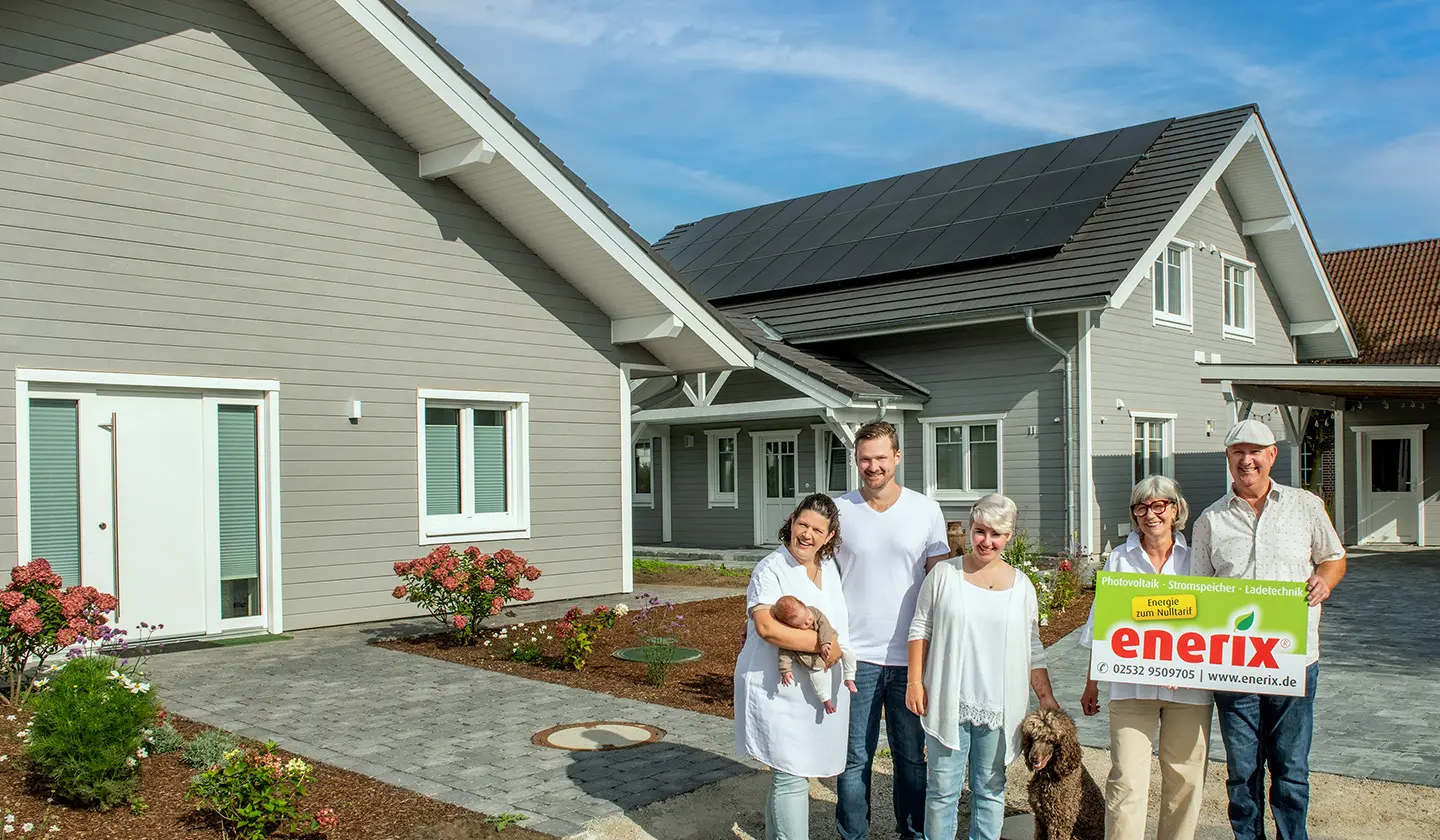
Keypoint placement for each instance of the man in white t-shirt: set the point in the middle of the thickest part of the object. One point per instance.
(890, 536)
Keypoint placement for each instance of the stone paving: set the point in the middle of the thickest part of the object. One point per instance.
(456, 733)
(1377, 715)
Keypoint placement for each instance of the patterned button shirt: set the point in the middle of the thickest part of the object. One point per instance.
(1291, 536)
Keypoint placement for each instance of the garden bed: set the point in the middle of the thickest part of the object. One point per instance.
(367, 809)
(704, 686)
(649, 572)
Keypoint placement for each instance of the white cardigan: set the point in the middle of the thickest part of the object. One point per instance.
(939, 617)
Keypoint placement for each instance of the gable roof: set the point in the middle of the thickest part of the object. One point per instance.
(1391, 296)
(855, 379)
(398, 70)
(1098, 264)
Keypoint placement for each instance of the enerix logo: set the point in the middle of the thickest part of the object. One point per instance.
(1158, 644)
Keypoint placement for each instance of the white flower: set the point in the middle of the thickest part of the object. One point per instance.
(4, 758)
(9, 818)
(487, 643)
(622, 609)
(139, 688)
(9, 829)
(549, 638)
(141, 753)
(9, 717)
(533, 639)
(40, 683)
(130, 761)
(27, 827)
(113, 675)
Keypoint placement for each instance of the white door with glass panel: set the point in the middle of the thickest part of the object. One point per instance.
(1389, 485)
(153, 496)
(777, 476)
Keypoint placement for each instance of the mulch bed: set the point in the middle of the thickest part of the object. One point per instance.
(703, 686)
(1062, 623)
(673, 575)
(367, 809)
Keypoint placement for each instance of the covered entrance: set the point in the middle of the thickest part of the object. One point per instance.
(1387, 482)
(157, 489)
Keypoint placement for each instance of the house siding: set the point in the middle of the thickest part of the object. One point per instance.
(1151, 368)
(991, 369)
(1399, 412)
(186, 193)
(694, 522)
(753, 386)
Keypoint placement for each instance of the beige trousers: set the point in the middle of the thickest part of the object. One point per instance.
(1184, 748)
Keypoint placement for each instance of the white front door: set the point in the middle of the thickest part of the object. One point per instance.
(142, 481)
(1390, 485)
(164, 502)
(777, 479)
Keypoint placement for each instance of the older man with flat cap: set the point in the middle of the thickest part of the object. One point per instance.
(1267, 531)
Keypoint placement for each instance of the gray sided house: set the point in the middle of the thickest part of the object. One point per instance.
(288, 297)
(1035, 322)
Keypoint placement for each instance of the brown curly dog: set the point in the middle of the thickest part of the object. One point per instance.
(1065, 799)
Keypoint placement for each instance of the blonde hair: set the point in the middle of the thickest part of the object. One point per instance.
(1159, 487)
(995, 512)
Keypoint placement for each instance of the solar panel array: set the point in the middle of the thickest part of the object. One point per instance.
(1007, 204)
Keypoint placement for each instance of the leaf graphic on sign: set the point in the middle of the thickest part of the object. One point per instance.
(1246, 621)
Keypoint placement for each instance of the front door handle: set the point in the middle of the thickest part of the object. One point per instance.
(102, 526)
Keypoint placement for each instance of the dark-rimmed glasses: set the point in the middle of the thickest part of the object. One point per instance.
(1157, 507)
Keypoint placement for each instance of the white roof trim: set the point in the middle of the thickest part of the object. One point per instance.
(1253, 129)
(385, 26)
(1289, 376)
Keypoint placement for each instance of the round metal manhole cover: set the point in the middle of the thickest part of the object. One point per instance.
(641, 654)
(598, 735)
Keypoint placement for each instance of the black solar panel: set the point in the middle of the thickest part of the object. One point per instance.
(1006, 204)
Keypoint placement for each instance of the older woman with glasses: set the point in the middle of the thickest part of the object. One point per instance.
(1157, 513)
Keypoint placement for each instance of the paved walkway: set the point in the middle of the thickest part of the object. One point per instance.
(1376, 710)
(456, 733)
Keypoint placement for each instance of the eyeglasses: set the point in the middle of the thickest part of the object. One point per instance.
(1157, 507)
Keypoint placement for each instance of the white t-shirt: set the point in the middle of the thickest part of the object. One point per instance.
(882, 564)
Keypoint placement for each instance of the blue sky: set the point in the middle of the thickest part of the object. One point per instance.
(677, 109)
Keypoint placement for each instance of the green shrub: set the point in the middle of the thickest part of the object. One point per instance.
(579, 630)
(166, 739)
(209, 747)
(87, 734)
(254, 794)
(1023, 554)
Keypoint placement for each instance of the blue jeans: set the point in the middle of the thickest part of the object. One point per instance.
(1261, 730)
(787, 809)
(983, 749)
(882, 687)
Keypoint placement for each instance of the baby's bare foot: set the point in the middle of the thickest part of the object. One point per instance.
(829, 707)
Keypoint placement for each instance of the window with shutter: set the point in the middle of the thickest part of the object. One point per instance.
(238, 446)
(55, 486)
(474, 466)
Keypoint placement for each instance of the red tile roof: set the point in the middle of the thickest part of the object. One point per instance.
(1391, 296)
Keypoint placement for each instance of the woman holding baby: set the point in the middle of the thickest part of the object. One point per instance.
(796, 726)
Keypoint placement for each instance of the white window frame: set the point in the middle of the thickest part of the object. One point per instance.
(514, 522)
(1186, 319)
(968, 493)
(1167, 441)
(1246, 333)
(715, 498)
(646, 500)
(822, 461)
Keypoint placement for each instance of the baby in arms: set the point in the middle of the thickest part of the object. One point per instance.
(790, 611)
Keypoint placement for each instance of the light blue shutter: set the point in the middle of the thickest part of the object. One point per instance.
(239, 470)
(55, 486)
(489, 461)
(442, 461)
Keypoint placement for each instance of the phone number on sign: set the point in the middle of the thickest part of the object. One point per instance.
(1153, 671)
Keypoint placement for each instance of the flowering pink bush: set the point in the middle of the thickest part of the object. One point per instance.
(37, 619)
(578, 631)
(462, 587)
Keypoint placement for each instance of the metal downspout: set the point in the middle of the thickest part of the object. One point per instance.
(1069, 402)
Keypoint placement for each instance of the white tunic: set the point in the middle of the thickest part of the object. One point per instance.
(941, 616)
(785, 726)
(982, 684)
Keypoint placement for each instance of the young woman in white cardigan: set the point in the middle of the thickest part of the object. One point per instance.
(975, 655)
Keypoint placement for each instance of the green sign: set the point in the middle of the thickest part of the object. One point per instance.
(1221, 634)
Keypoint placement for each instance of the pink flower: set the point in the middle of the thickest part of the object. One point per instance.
(473, 553)
(402, 567)
(460, 621)
(1064, 565)
(326, 819)
(65, 636)
(10, 599)
(450, 584)
(496, 606)
(521, 594)
(531, 573)
(487, 584)
(400, 592)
